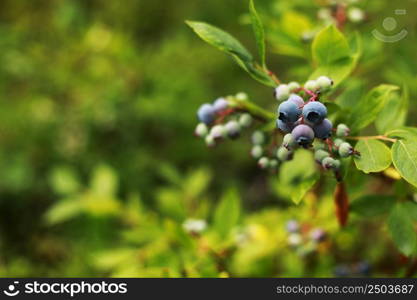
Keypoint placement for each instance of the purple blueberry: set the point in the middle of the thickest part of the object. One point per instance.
(314, 112)
(323, 130)
(303, 135)
(288, 112)
(296, 99)
(206, 113)
(318, 235)
(292, 226)
(285, 127)
(220, 105)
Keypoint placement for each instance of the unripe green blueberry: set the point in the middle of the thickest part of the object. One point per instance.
(242, 96)
(201, 130)
(324, 83)
(319, 155)
(345, 150)
(233, 129)
(336, 165)
(263, 162)
(342, 130)
(283, 154)
(258, 137)
(289, 141)
(273, 163)
(338, 142)
(293, 86)
(329, 163)
(311, 85)
(282, 92)
(318, 145)
(210, 141)
(256, 151)
(245, 120)
(218, 131)
(356, 15)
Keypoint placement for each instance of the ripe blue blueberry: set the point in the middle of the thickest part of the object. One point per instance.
(323, 130)
(245, 120)
(206, 113)
(201, 130)
(283, 154)
(286, 127)
(256, 151)
(296, 99)
(282, 92)
(288, 112)
(303, 135)
(342, 130)
(345, 149)
(220, 105)
(314, 112)
(233, 129)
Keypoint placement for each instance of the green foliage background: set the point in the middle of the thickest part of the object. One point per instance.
(99, 169)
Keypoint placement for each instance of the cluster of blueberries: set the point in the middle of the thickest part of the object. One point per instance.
(303, 238)
(210, 116)
(305, 121)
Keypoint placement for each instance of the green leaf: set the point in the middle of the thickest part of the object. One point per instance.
(226, 215)
(372, 205)
(228, 44)
(258, 29)
(394, 113)
(64, 210)
(367, 109)
(297, 176)
(375, 156)
(404, 153)
(333, 55)
(402, 230)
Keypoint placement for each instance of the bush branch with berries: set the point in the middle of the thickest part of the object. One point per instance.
(309, 125)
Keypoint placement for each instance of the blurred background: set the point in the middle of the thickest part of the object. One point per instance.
(100, 174)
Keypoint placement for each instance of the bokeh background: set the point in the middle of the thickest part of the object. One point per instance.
(100, 174)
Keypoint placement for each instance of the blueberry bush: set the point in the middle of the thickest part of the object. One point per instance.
(128, 147)
(301, 130)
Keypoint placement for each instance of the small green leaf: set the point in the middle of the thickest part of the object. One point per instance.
(258, 29)
(298, 176)
(404, 153)
(332, 54)
(226, 215)
(64, 210)
(394, 113)
(372, 205)
(228, 44)
(375, 156)
(402, 230)
(367, 109)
